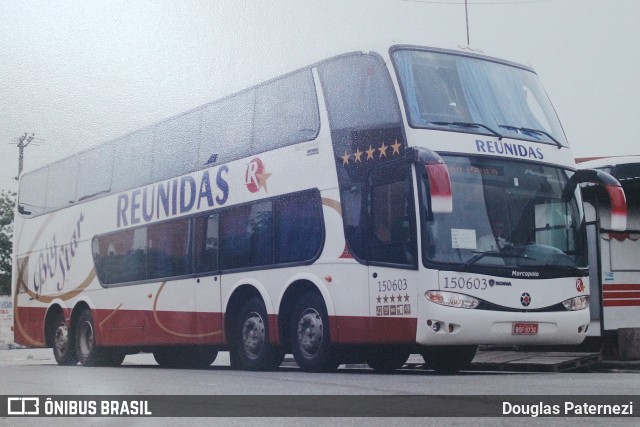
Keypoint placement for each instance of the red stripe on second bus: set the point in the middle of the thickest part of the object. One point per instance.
(621, 287)
(621, 303)
(621, 295)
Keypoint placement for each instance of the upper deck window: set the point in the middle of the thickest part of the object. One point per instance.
(448, 91)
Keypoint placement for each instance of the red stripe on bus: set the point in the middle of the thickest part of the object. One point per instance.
(148, 328)
(621, 287)
(373, 330)
(621, 303)
(620, 295)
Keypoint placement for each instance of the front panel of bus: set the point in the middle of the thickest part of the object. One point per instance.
(507, 264)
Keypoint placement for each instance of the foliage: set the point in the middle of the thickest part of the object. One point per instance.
(7, 203)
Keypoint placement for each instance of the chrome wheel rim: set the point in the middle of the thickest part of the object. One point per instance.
(310, 332)
(86, 338)
(61, 338)
(253, 335)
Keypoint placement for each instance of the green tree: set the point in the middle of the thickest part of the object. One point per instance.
(7, 203)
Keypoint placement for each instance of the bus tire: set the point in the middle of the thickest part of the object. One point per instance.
(112, 357)
(253, 350)
(387, 359)
(192, 357)
(89, 354)
(309, 335)
(62, 341)
(448, 360)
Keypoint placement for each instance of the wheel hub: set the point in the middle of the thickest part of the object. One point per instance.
(253, 335)
(310, 332)
(86, 338)
(61, 340)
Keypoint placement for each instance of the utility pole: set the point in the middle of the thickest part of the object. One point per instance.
(466, 15)
(23, 141)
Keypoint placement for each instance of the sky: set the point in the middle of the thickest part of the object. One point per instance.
(78, 73)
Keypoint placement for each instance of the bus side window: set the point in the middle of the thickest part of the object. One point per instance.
(234, 238)
(298, 227)
(206, 243)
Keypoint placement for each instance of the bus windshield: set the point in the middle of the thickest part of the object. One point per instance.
(505, 213)
(454, 92)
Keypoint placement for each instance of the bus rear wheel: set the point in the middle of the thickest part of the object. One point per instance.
(253, 349)
(448, 360)
(62, 342)
(309, 334)
(88, 353)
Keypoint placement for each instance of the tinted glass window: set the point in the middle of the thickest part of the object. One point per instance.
(133, 156)
(392, 238)
(168, 249)
(359, 92)
(247, 235)
(227, 127)
(95, 170)
(365, 122)
(206, 243)
(121, 257)
(33, 192)
(286, 112)
(61, 191)
(298, 227)
(176, 146)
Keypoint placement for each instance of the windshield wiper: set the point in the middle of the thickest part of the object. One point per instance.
(499, 254)
(531, 130)
(468, 125)
(478, 256)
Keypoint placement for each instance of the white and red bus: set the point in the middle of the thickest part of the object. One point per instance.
(614, 256)
(368, 206)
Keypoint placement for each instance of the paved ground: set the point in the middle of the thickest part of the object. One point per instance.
(517, 361)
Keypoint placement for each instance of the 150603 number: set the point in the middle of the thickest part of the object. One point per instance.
(392, 285)
(465, 283)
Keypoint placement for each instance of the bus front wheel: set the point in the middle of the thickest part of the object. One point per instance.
(449, 359)
(193, 357)
(309, 334)
(387, 359)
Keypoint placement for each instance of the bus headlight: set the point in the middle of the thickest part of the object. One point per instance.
(452, 299)
(577, 303)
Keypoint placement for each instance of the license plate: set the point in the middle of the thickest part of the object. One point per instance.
(525, 329)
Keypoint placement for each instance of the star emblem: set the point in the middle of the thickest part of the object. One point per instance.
(358, 155)
(383, 150)
(396, 148)
(385, 298)
(370, 152)
(262, 180)
(379, 299)
(393, 298)
(345, 158)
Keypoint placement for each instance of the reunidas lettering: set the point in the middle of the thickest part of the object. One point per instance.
(169, 198)
(508, 149)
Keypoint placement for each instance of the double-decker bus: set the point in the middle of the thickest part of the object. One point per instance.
(614, 259)
(363, 208)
